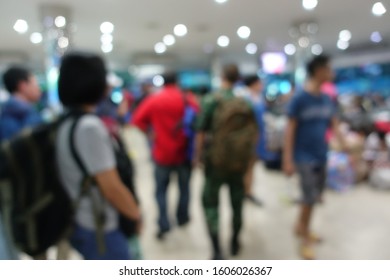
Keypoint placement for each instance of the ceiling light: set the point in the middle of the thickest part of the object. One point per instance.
(36, 38)
(63, 42)
(106, 39)
(317, 49)
(107, 27)
(60, 21)
(251, 48)
(244, 32)
(169, 40)
(376, 37)
(221, 1)
(290, 49)
(158, 81)
(345, 35)
(223, 41)
(180, 30)
(21, 26)
(160, 48)
(304, 42)
(378, 9)
(309, 4)
(342, 45)
(107, 48)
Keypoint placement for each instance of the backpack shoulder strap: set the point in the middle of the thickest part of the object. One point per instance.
(86, 184)
(72, 146)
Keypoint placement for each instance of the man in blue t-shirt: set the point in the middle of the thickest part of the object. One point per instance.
(311, 113)
(15, 114)
(18, 111)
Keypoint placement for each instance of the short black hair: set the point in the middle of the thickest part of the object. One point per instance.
(316, 63)
(13, 76)
(251, 80)
(82, 79)
(231, 73)
(170, 78)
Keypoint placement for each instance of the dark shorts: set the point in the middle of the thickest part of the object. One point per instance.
(313, 181)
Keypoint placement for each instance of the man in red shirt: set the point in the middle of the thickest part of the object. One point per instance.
(164, 113)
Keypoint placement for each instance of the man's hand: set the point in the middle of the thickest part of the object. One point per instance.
(288, 168)
(288, 162)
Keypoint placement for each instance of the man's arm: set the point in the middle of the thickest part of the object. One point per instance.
(95, 150)
(142, 115)
(288, 152)
(117, 194)
(199, 148)
(336, 128)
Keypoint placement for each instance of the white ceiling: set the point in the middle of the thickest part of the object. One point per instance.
(140, 24)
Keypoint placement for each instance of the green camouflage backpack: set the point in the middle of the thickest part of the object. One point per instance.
(235, 132)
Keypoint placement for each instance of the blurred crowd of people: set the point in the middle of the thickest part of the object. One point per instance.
(225, 133)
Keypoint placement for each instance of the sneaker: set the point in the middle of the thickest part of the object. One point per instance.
(217, 257)
(161, 234)
(235, 247)
(183, 223)
(254, 200)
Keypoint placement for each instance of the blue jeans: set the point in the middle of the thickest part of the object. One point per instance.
(162, 177)
(116, 245)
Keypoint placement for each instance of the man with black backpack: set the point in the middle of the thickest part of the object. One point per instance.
(226, 140)
(64, 180)
(16, 114)
(18, 111)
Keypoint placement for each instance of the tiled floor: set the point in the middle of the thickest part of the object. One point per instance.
(354, 225)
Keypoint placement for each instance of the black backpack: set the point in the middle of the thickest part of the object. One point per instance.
(125, 169)
(126, 172)
(35, 207)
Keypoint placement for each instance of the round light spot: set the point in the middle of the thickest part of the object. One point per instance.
(107, 27)
(60, 21)
(21, 26)
(223, 41)
(36, 38)
(244, 32)
(180, 30)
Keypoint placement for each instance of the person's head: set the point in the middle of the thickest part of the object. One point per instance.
(170, 79)
(319, 69)
(254, 83)
(20, 81)
(82, 80)
(230, 75)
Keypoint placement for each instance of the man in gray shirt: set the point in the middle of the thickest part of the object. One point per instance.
(82, 84)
